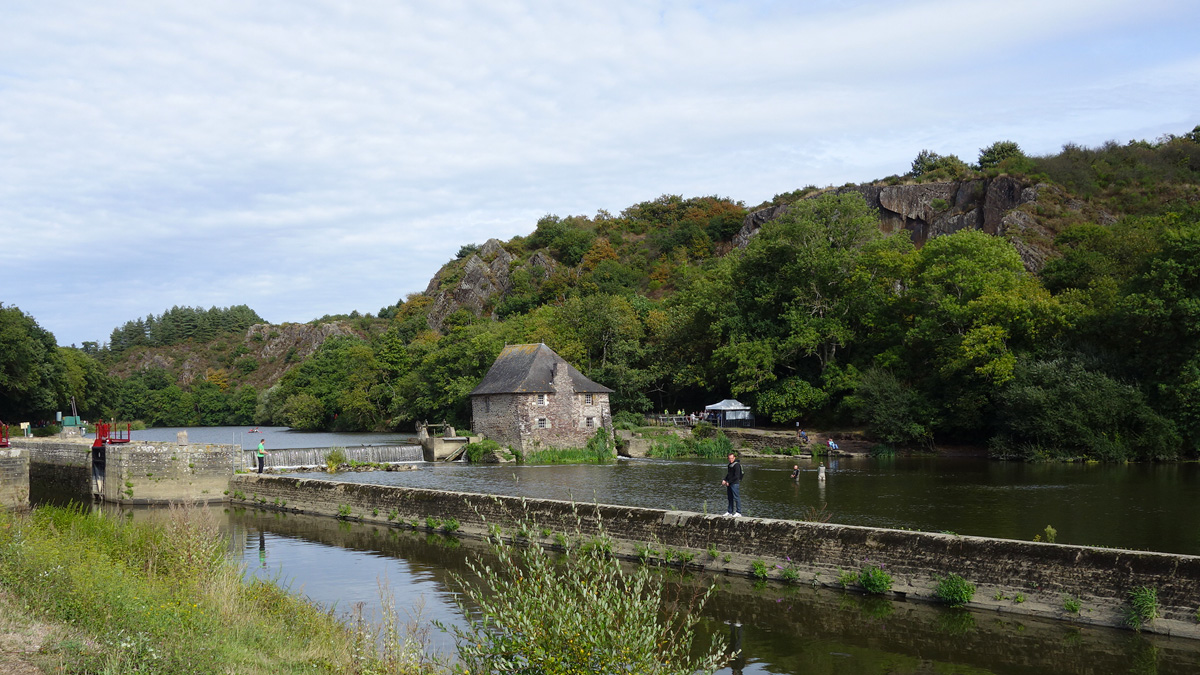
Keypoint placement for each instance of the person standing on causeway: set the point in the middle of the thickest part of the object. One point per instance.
(262, 453)
(733, 479)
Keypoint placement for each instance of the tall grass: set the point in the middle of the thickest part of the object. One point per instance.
(581, 612)
(161, 598)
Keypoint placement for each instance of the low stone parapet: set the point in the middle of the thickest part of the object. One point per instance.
(1016, 577)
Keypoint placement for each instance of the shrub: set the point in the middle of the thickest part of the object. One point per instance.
(997, 152)
(703, 430)
(1061, 409)
(874, 580)
(480, 450)
(671, 446)
(48, 430)
(601, 446)
(335, 458)
(759, 569)
(1071, 604)
(954, 590)
(1143, 607)
(893, 411)
(542, 613)
(625, 419)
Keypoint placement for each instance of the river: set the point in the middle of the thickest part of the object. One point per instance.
(781, 630)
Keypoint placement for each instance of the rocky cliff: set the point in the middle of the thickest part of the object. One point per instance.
(483, 278)
(1028, 215)
(271, 349)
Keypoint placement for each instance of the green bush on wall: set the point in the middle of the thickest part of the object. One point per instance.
(954, 590)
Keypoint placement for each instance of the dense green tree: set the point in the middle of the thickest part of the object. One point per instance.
(32, 378)
(973, 308)
(1161, 322)
(86, 382)
(1059, 408)
(893, 411)
(996, 153)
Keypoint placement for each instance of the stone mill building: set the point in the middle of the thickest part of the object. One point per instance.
(533, 398)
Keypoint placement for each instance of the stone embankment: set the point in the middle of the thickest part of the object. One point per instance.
(1025, 578)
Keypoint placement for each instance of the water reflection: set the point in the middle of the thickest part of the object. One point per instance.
(779, 629)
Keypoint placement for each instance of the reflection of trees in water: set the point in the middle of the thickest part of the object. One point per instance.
(783, 627)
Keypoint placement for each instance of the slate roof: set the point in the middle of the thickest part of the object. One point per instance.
(529, 369)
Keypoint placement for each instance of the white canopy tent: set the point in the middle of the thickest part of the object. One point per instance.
(731, 412)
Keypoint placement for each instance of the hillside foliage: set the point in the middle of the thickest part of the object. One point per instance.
(821, 318)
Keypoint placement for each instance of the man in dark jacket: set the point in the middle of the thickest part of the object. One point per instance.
(733, 478)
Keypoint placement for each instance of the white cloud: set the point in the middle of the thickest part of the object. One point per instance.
(316, 157)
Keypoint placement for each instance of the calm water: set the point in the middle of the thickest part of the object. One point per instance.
(780, 630)
(1139, 506)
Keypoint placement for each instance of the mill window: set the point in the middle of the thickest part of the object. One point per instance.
(542, 423)
(587, 399)
(591, 422)
(541, 399)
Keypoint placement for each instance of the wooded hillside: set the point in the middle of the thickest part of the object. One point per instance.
(818, 315)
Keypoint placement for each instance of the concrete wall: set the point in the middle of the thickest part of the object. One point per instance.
(14, 478)
(136, 473)
(1042, 574)
(150, 473)
(64, 464)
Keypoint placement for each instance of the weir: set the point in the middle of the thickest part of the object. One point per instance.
(1011, 577)
(291, 458)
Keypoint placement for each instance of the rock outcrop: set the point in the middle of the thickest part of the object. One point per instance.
(1003, 206)
(486, 277)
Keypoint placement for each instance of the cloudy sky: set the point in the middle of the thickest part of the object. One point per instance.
(310, 157)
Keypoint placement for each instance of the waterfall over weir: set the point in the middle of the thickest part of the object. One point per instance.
(295, 457)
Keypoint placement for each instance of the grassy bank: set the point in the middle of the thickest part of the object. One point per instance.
(83, 592)
(112, 596)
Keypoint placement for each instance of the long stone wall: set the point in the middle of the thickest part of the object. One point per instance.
(1029, 578)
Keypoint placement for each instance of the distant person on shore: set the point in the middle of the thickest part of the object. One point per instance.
(795, 472)
(262, 453)
(733, 479)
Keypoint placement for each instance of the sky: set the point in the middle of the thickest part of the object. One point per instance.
(315, 157)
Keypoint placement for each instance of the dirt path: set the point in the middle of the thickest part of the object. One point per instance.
(20, 637)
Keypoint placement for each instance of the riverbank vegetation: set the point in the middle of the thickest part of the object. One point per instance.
(580, 612)
(103, 594)
(161, 598)
(1072, 333)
